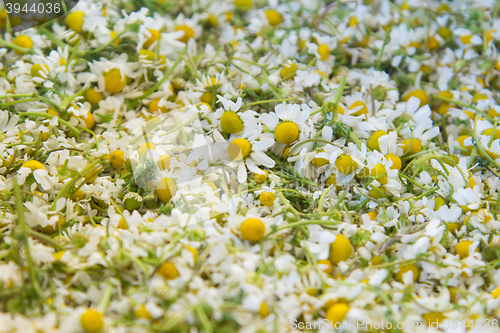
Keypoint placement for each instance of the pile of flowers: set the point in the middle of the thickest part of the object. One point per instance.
(251, 166)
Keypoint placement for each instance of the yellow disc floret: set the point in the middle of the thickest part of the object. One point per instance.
(379, 171)
(361, 108)
(289, 71)
(405, 269)
(114, 82)
(252, 229)
(274, 17)
(117, 159)
(38, 70)
(286, 132)
(324, 51)
(420, 94)
(22, 41)
(142, 312)
(143, 149)
(164, 162)
(168, 271)
(337, 312)
(412, 146)
(396, 161)
(463, 249)
(267, 199)
(188, 33)
(495, 292)
(243, 3)
(33, 165)
(328, 264)
(340, 249)
(345, 164)
(372, 143)
(92, 96)
(239, 149)
(89, 120)
(155, 35)
(91, 321)
(230, 122)
(165, 189)
(153, 106)
(74, 21)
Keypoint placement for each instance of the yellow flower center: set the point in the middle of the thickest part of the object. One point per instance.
(239, 149)
(89, 120)
(188, 33)
(353, 21)
(372, 143)
(461, 141)
(289, 71)
(252, 229)
(92, 96)
(443, 108)
(337, 312)
(462, 249)
(274, 17)
(207, 97)
(360, 106)
(116, 43)
(33, 165)
(340, 249)
(74, 21)
(143, 149)
(495, 292)
(267, 199)
(113, 81)
(155, 35)
(377, 171)
(164, 162)
(22, 41)
(212, 20)
(405, 269)
(396, 161)
(420, 94)
(466, 39)
(260, 178)
(166, 189)
(328, 264)
(231, 123)
(432, 43)
(153, 106)
(478, 97)
(345, 164)
(39, 70)
(91, 321)
(412, 146)
(323, 51)
(286, 132)
(168, 271)
(243, 3)
(332, 180)
(117, 159)
(264, 310)
(142, 312)
(444, 32)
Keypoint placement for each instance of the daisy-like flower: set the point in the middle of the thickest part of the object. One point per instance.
(322, 51)
(287, 122)
(248, 150)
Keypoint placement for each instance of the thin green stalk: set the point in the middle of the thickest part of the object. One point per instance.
(166, 76)
(49, 116)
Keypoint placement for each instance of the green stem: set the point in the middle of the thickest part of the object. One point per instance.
(166, 76)
(15, 47)
(49, 116)
(68, 185)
